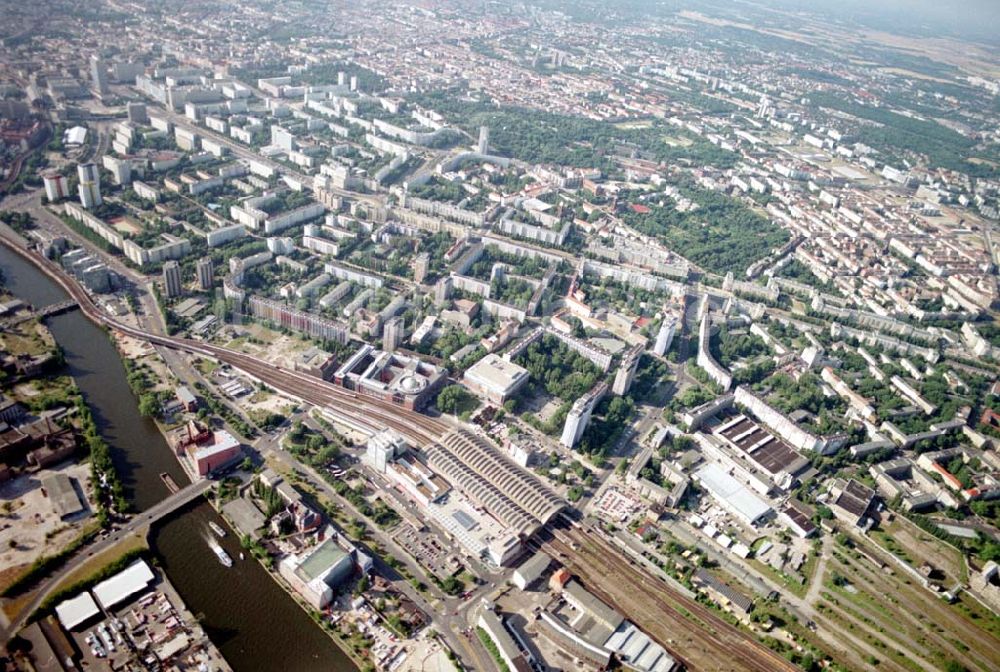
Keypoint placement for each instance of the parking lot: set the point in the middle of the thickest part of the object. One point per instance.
(153, 631)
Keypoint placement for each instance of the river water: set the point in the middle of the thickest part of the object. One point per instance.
(255, 624)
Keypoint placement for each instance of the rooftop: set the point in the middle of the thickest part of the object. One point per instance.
(496, 373)
(124, 584)
(731, 492)
(320, 559)
(76, 610)
(63, 494)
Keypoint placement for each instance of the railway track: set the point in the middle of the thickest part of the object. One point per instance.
(710, 644)
(690, 631)
(369, 412)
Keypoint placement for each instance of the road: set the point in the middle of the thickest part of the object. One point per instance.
(448, 613)
(244, 152)
(136, 524)
(607, 563)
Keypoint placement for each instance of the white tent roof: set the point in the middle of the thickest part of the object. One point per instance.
(124, 584)
(75, 136)
(76, 610)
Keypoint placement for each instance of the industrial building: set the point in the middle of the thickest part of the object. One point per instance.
(530, 570)
(130, 581)
(853, 503)
(211, 451)
(63, 494)
(732, 495)
(315, 572)
(761, 450)
(594, 631)
(510, 653)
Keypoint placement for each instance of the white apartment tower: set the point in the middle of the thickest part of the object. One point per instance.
(665, 336)
(579, 415)
(56, 186)
(421, 265)
(99, 74)
(442, 290)
(393, 333)
(626, 371)
(90, 185)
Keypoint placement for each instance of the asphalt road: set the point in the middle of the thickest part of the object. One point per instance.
(135, 524)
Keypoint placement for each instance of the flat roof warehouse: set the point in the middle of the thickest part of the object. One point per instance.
(734, 496)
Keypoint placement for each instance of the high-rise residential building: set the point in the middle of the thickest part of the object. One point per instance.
(392, 333)
(172, 279)
(137, 113)
(665, 335)
(421, 265)
(90, 185)
(764, 108)
(206, 273)
(341, 78)
(99, 74)
(626, 371)
(442, 290)
(484, 140)
(579, 415)
(354, 82)
(121, 169)
(56, 186)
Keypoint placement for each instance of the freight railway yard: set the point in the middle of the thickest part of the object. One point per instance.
(695, 635)
(690, 631)
(707, 642)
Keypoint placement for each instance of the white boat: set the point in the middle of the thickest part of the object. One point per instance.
(216, 528)
(221, 554)
(241, 555)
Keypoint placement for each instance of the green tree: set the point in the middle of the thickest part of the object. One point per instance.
(149, 405)
(454, 399)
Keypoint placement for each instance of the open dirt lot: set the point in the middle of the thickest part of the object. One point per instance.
(32, 528)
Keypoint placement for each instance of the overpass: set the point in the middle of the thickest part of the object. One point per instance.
(47, 311)
(137, 525)
(370, 412)
(165, 507)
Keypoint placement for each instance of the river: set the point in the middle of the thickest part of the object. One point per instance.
(255, 624)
